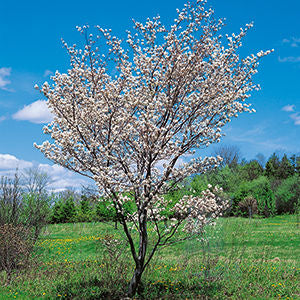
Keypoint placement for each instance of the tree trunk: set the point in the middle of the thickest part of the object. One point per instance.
(140, 262)
(135, 281)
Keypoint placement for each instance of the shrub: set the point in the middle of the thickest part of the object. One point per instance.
(248, 206)
(64, 211)
(10, 200)
(261, 190)
(88, 216)
(35, 211)
(226, 178)
(84, 204)
(287, 195)
(243, 191)
(105, 211)
(57, 213)
(22, 217)
(16, 245)
(69, 210)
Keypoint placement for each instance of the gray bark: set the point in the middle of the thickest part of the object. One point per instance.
(140, 261)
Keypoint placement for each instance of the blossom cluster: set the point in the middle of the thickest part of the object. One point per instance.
(200, 211)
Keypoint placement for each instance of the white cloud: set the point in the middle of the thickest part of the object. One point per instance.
(36, 112)
(293, 41)
(61, 177)
(291, 59)
(4, 72)
(289, 108)
(9, 162)
(2, 118)
(257, 138)
(296, 118)
(47, 73)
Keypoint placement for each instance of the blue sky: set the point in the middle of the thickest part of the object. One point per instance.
(31, 50)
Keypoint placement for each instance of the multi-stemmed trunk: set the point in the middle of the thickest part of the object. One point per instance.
(135, 281)
(140, 259)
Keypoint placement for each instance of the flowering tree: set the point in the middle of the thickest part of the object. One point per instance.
(125, 116)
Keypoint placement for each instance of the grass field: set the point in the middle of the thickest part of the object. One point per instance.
(239, 259)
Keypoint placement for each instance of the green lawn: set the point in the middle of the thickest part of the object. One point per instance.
(243, 259)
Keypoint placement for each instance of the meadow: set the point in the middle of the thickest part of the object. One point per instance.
(238, 258)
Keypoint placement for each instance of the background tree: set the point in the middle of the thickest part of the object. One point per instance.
(91, 193)
(295, 162)
(36, 180)
(84, 204)
(288, 195)
(36, 200)
(225, 177)
(57, 215)
(285, 169)
(229, 153)
(261, 159)
(21, 219)
(10, 200)
(297, 165)
(261, 190)
(249, 206)
(172, 90)
(272, 166)
(64, 210)
(251, 170)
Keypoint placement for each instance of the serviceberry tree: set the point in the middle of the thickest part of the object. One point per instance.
(127, 112)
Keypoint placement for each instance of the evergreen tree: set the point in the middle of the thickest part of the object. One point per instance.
(84, 204)
(285, 169)
(69, 210)
(295, 161)
(252, 170)
(57, 215)
(272, 166)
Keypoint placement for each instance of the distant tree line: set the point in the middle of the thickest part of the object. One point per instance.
(259, 186)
